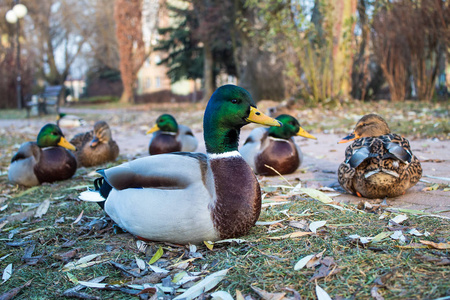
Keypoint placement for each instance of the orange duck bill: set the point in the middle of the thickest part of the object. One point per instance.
(351, 137)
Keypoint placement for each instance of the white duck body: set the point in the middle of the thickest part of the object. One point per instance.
(21, 171)
(182, 196)
(187, 139)
(181, 205)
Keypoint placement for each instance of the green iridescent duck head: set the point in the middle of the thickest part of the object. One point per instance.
(52, 136)
(291, 127)
(230, 108)
(165, 123)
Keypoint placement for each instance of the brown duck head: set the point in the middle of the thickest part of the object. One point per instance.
(368, 126)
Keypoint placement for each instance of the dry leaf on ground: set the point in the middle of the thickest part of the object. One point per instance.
(268, 296)
(205, 285)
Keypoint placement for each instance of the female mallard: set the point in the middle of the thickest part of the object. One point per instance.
(32, 165)
(69, 121)
(95, 147)
(275, 147)
(189, 197)
(379, 163)
(169, 137)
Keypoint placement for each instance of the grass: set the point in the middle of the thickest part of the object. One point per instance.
(261, 262)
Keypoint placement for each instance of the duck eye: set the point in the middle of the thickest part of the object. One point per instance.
(234, 101)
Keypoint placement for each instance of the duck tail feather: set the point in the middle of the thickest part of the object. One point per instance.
(91, 196)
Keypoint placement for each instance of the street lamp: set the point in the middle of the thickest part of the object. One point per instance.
(12, 16)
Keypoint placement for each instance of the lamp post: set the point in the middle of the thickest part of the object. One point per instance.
(12, 16)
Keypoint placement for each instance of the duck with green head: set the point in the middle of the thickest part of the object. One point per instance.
(275, 147)
(189, 197)
(169, 136)
(69, 121)
(46, 160)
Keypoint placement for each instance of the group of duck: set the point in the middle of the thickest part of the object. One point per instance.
(179, 196)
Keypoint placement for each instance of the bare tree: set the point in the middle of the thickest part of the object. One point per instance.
(128, 17)
(58, 26)
(389, 48)
(426, 33)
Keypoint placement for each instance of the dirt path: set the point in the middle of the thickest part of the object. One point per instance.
(322, 156)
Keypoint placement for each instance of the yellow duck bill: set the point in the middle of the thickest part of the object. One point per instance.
(256, 116)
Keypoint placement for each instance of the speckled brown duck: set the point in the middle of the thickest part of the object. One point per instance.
(379, 163)
(95, 147)
(189, 197)
(45, 160)
(169, 136)
(275, 147)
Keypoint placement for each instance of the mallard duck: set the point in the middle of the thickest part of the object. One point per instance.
(379, 163)
(69, 121)
(187, 197)
(169, 136)
(95, 147)
(275, 147)
(46, 160)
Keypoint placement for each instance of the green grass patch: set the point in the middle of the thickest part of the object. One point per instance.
(261, 262)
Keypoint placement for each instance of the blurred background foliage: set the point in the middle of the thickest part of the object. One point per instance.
(318, 51)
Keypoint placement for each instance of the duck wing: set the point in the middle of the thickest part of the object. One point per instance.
(188, 141)
(82, 139)
(253, 145)
(27, 150)
(165, 171)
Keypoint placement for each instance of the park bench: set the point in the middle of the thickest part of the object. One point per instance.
(48, 98)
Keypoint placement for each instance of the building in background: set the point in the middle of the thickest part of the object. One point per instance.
(76, 87)
(152, 77)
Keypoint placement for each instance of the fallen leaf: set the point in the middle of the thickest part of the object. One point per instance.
(259, 223)
(42, 209)
(140, 263)
(296, 294)
(7, 272)
(141, 245)
(221, 295)
(302, 224)
(399, 219)
(316, 225)
(95, 285)
(156, 256)
(381, 236)
(72, 278)
(239, 295)
(302, 262)
(415, 232)
(78, 219)
(398, 235)
(268, 296)
(83, 262)
(321, 294)
(158, 269)
(13, 292)
(209, 245)
(315, 260)
(205, 285)
(374, 293)
(2, 224)
(327, 268)
(440, 246)
(318, 195)
(290, 235)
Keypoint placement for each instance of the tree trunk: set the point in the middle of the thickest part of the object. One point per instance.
(341, 15)
(208, 73)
